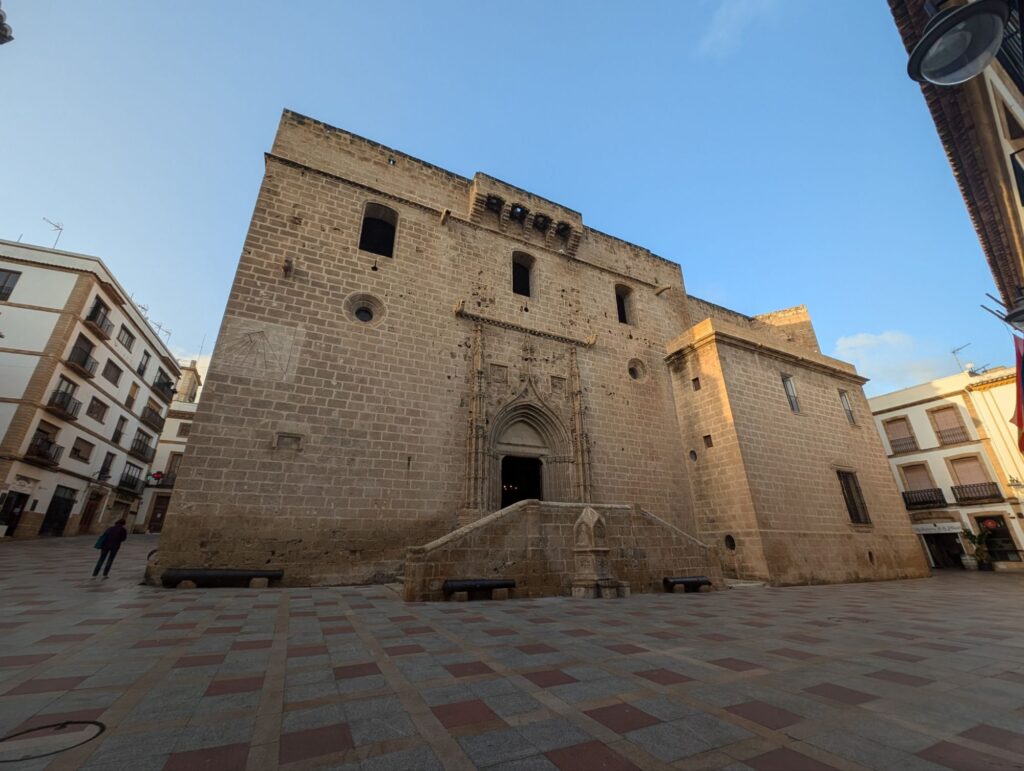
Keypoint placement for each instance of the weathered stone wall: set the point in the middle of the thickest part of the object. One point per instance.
(794, 528)
(380, 412)
(532, 543)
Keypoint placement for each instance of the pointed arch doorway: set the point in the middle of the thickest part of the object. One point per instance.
(530, 455)
(522, 450)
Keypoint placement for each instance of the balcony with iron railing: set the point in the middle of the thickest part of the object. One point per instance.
(142, 450)
(131, 484)
(152, 419)
(929, 498)
(164, 388)
(64, 405)
(99, 322)
(165, 480)
(43, 451)
(982, 492)
(81, 362)
(903, 444)
(952, 435)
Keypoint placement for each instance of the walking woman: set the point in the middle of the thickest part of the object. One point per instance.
(108, 544)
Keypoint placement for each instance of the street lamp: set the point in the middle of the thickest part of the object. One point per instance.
(958, 42)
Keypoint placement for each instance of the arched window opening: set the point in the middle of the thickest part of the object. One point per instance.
(623, 303)
(522, 267)
(378, 233)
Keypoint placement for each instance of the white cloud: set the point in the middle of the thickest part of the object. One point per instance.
(892, 360)
(729, 22)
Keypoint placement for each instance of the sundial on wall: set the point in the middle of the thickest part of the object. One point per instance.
(260, 348)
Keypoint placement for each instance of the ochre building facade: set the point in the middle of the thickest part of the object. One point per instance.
(407, 352)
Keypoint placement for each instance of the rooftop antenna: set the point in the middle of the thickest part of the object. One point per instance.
(955, 351)
(201, 346)
(58, 227)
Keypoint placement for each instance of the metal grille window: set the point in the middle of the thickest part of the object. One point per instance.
(855, 505)
(108, 461)
(143, 363)
(126, 338)
(1011, 54)
(790, 386)
(97, 410)
(112, 372)
(844, 399)
(8, 278)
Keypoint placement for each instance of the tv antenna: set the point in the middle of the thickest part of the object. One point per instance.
(955, 351)
(57, 226)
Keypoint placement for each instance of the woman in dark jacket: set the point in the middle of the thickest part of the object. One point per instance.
(108, 544)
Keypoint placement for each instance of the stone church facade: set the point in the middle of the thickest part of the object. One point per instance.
(408, 355)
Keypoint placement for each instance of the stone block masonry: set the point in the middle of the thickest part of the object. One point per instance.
(366, 399)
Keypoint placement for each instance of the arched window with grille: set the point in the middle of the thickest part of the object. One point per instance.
(378, 232)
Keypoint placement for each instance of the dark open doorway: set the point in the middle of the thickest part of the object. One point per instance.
(520, 479)
(945, 549)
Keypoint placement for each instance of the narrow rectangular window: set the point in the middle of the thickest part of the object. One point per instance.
(108, 461)
(133, 391)
(854, 498)
(122, 422)
(520, 278)
(790, 386)
(8, 278)
(112, 372)
(707, 441)
(844, 398)
(696, 383)
(184, 428)
(126, 338)
(143, 363)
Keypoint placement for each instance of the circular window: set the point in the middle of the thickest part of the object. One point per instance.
(730, 543)
(636, 369)
(364, 308)
(693, 455)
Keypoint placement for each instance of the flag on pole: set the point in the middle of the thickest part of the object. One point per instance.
(1018, 414)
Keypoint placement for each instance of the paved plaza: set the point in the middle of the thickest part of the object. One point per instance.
(925, 674)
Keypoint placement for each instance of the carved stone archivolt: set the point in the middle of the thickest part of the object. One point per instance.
(525, 425)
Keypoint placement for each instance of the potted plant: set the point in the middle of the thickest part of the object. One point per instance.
(980, 544)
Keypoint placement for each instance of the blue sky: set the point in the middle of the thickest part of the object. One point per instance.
(774, 148)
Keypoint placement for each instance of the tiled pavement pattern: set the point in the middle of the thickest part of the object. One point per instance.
(924, 674)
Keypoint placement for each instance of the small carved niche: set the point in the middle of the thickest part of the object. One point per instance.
(286, 441)
(557, 384)
(498, 373)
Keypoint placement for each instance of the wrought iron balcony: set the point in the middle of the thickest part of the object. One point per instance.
(929, 498)
(953, 435)
(983, 492)
(152, 419)
(98, 322)
(142, 450)
(131, 483)
(63, 404)
(165, 481)
(81, 362)
(903, 444)
(43, 451)
(164, 388)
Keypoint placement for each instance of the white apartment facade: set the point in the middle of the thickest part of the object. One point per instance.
(85, 386)
(169, 451)
(953, 452)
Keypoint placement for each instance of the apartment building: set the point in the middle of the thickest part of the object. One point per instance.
(953, 452)
(85, 385)
(170, 449)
